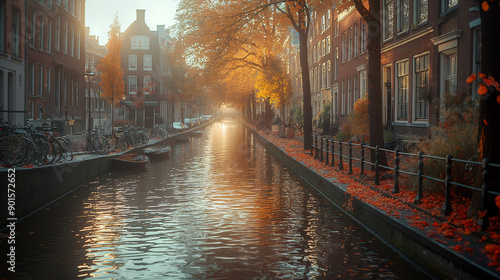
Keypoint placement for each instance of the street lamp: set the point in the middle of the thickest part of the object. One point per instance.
(89, 76)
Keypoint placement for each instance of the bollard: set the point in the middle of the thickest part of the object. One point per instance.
(350, 157)
(362, 158)
(420, 174)
(483, 221)
(446, 209)
(312, 144)
(396, 173)
(341, 164)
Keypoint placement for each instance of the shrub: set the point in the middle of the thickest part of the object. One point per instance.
(359, 117)
(345, 133)
(455, 135)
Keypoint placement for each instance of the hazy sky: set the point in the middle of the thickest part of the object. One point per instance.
(99, 14)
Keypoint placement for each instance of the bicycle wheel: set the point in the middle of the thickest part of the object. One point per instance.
(29, 156)
(57, 150)
(41, 151)
(67, 151)
(12, 149)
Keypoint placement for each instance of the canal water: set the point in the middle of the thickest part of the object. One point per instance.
(220, 207)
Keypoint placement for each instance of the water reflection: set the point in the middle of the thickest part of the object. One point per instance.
(219, 208)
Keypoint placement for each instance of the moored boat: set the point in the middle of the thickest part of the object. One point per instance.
(157, 152)
(132, 160)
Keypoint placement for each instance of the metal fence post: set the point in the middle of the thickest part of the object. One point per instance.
(396, 172)
(420, 174)
(327, 158)
(377, 182)
(333, 153)
(446, 209)
(322, 139)
(483, 221)
(362, 158)
(341, 164)
(312, 145)
(350, 157)
(315, 146)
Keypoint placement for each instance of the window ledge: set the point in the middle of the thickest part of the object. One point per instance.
(415, 124)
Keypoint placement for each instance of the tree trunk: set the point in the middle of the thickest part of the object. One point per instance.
(269, 114)
(489, 107)
(306, 88)
(372, 18)
(254, 110)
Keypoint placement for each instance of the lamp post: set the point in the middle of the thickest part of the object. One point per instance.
(89, 76)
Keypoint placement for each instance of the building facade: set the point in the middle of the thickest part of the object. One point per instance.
(12, 61)
(145, 71)
(55, 45)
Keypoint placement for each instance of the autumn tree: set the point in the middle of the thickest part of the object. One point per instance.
(274, 84)
(112, 83)
(219, 29)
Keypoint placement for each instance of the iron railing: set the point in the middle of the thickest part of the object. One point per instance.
(325, 150)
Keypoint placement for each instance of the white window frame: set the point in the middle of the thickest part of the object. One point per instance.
(147, 89)
(397, 91)
(420, 17)
(130, 79)
(402, 24)
(414, 88)
(131, 58)
(388, 20)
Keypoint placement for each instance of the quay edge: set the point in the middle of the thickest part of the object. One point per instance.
(431, 257)
(39, 186)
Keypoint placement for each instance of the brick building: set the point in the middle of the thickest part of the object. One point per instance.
(12, 61)
(55, 61)
(145, 71)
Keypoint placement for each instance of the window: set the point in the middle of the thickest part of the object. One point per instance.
(31, 29)
(72, 42)
(329, 74)
(402, 90)
(450, 72)
(328, 44)
(2, 26)
(342, 104)
(388, 28)
(350, 104)
(65, 38)
(323, 49)
(40, 80)
(319, 50)
(421, 11)
(57, 39)
(15, 31)
(363, 36)
(350, 46)
(356, 88)
(356, 39)
(78, 43)
(362, 84)
(344, 48)
(46, 81)
(132, 84)
(328, 18)
(86, 62)
(403, 15)
(148, 62)
(39, 24)
(336, 64)
(139, 42)
(323, 79)
(323, 24)
(449, 5)
(132, 62)
(422, 87)
(336, 25)
(31, 85)
(49, 37)
(148, 85)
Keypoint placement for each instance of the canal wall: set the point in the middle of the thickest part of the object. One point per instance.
(34, 188)
(430, 256)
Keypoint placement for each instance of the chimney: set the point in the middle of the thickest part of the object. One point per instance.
(87, 31)
(141, 15)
